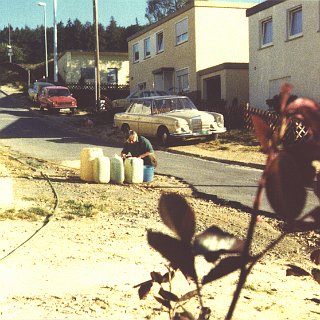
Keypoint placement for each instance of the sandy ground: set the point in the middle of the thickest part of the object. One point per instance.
(85, 262)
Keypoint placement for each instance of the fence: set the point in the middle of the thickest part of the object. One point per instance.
(239, 117)
(85, 93)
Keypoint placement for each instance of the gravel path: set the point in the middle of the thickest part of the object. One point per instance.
(85, 262)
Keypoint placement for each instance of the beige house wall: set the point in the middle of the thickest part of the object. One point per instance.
(293, 60)
(222, 34)
(234, 83)
(70, 64)
(217, 33)
(237, 86)
(175, 56)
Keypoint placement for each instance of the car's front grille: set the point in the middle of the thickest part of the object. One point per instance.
(63, 104)
(196, 124)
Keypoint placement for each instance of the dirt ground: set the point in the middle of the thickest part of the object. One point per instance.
(85, 262)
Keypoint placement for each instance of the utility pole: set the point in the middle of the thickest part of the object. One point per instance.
(55, 42)
(97, 52)
(44, 5)
(9, 45)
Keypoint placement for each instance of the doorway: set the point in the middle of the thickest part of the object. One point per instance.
(213, 89)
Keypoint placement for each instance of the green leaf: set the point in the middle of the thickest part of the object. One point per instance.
(177, 252)
(177, 215)
(213, 242)
(224, 267)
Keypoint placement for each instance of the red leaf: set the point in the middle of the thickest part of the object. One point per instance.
(224, 267)
(214, 241)
(165, 303)
(263, 132)
(285, 92)
(316, 274)
(315, 256)
(167, 295)
(317, 185)
(188, 295)
(144, 289)
(308, 111)
(304, 154)
(284, 186)
(296, 271)
(156, 277)
(177, 252)
(185, 315)
(177, 215)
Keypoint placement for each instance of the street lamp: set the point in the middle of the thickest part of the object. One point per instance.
(44, 5)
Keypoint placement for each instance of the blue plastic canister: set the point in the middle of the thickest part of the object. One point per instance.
(148, 173)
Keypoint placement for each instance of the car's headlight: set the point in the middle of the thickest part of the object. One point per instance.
(219, 119)
(181, 126)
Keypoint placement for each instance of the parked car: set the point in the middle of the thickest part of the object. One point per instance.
(167, 117)
(120, 105)
(56, 98)
(34, 90)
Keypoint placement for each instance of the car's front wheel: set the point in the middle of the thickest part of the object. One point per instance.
(212, 137)
(164, 136)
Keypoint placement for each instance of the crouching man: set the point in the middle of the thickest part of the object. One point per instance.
(140, 147)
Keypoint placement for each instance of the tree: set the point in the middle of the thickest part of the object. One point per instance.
(158, 9)
(114, 39)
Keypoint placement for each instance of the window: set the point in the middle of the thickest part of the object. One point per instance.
(142, 86)
(183, 80)
(266, 27)
(182, 31)
(135, 51)
(147, 50)
(160, 42)
(87, 73)
(295, 22)
(112, 76)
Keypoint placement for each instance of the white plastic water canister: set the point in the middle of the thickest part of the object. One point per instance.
(116, 169)
(133, 170)
(6, 191)
(86, 163)
(101, 169)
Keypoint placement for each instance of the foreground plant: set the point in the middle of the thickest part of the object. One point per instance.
(287, 172)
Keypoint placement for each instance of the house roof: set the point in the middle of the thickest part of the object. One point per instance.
(188, 6)
(224, 66)
(262, 6)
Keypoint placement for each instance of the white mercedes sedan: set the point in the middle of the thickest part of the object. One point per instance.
(168, 118)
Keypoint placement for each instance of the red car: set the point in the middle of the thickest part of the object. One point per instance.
(56, 98)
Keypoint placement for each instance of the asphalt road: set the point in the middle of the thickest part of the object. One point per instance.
(29, 134)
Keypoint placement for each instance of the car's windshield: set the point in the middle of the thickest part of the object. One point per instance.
(58, 92)
(170, 104)
(147, 93)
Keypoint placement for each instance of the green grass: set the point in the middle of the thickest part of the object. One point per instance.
(242, 137)
(31, 214)
(72, 208)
